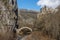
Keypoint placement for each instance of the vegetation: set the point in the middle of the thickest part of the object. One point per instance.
(49, 24)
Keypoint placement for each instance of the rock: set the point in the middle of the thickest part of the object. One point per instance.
(7, 21)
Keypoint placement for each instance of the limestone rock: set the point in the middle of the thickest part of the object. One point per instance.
(7, 21)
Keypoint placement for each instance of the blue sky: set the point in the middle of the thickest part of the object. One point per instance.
(28, 4)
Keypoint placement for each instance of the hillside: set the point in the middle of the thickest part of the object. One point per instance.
(27, 17)
(28, 13)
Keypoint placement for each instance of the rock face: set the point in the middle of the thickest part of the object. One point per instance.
(7, 21)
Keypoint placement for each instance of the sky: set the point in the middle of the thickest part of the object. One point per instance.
(49, 3)
(37, 4)
(28, 4)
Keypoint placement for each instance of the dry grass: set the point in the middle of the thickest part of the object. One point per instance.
(38, 36)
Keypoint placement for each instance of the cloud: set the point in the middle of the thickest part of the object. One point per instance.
(48, 3)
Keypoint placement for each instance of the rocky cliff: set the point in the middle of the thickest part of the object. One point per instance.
(7, 21)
